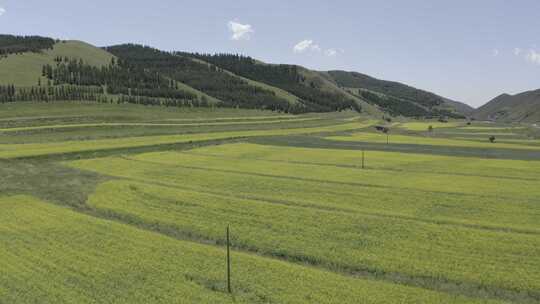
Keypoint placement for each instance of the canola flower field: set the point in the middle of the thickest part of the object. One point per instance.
(135, 209)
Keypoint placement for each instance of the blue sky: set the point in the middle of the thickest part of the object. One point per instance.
(469, 51)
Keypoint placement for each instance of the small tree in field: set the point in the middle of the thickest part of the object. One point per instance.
(492, 139)
(430, 129)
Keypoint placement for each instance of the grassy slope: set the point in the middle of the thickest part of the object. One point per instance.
(323, 80)
(395, 89)
(523, 107)
(199, 94)
(292, 99)
(25, 69)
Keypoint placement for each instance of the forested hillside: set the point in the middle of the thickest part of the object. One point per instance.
(19, 44)
(398, 98)
(286, 77)
(233, 91)
(36, 68)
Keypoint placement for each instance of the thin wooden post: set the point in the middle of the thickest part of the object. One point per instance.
(228, 262)
(363, 152)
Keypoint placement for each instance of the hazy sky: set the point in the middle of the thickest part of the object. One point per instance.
(470, 51)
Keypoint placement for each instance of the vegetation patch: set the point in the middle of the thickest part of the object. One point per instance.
(51, 254)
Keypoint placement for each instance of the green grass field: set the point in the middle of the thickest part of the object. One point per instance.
(433, 141)
(53, 255)
(129, 204)
(423, 126)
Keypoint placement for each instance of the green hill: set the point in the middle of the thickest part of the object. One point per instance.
(523, 107)
(232, 90)
(42, 69)
(315, 92)
(24, 69)
(277, 91)
(326, 84)
(398, 98)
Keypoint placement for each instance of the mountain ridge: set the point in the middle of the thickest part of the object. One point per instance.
(40, 68)
(401, 91)
(521, 107)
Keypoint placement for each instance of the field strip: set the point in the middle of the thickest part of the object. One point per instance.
(326, 196)
(522, 141)
(196, 119)
(358, 166)
(423, 126)
(300, 141)
(29, 150)
(311, 205)
(499, 211)
(137, 124)
(445, 132)
(87, 257)
(433, 141)
(283, 117)
(377, 159)
(423, 182)
(488, 128)
(15, 118)
(196, 215)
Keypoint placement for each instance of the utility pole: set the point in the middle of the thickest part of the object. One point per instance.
(363, 152)
(228, 262)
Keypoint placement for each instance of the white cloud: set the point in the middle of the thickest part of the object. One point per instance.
(240, 31)
(495, 52)
(517, 51)
(331, 52)
(2, 11)
(533, 56)
(306, 45)
(309, 45)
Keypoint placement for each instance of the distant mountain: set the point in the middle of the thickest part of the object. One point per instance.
(34, 68)
(523, 107)
(399, 98)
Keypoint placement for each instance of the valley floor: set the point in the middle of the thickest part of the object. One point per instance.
(129, 204)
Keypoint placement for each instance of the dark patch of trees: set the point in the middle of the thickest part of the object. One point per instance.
(392, 105)
(390, 88)
(286, 77)
(10, 93)
(117, 78)
(443, 119)
(445, 114)
(10, 44)
(422, 100)
(214, 81)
